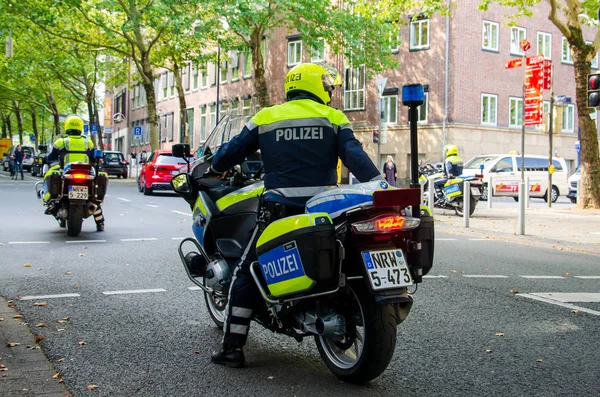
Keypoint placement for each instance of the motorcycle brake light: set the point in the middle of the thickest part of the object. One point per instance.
(386, 224)
(79, 176)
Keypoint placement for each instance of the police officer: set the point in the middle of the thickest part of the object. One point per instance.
(300, 142)
(453, 167)
(75, 148)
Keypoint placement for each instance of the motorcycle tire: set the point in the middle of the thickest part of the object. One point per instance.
(459, 209)
(216, 310)
(74, 220)
(378, 323)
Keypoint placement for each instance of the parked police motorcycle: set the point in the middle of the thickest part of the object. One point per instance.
(451, 196)
(72, 194)
(38, 161)
(339, 273)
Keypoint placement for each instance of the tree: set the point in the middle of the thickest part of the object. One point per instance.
(569, 16)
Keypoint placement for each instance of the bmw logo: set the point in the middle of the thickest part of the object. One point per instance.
(383, 185)
(399, 254)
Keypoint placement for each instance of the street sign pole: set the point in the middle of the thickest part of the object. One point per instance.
(522, 183)
(550, 132)
(380, 87)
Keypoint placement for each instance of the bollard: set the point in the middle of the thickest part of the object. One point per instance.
(522, 208)
(431, 194)
(466, 203)
(577, 198)
(490, 192)
(527, 191)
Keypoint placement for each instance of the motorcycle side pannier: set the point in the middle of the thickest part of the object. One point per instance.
(54, 184)
(427, 240)
(101, 185)
(298, 255)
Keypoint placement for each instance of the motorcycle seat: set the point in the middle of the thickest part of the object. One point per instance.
(221, 191)
(230, 248)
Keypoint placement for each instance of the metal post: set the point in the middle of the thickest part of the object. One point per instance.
(218, 77)
(379, 134)
(522, 208)
(527, 191)
(522, 183)
(430, 194)
(466, 203)
(550, 132)
(490, 191)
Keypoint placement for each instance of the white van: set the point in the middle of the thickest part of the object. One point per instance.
(505, 170)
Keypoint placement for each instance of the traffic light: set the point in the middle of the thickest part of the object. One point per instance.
(593, 90)
(375, 136)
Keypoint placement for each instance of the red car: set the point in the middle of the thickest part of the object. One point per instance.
(157, 172)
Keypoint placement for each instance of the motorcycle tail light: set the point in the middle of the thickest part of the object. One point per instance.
(79, 177)
(386, 224)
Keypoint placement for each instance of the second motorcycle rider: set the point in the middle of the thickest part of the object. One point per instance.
(300, 142)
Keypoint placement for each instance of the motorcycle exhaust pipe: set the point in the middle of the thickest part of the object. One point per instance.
(332, 326)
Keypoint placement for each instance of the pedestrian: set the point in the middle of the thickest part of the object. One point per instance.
(19, 155)
(133, 158)
(310, 168)
(390, 172)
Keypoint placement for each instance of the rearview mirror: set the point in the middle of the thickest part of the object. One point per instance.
(181, 150)
(182, 185)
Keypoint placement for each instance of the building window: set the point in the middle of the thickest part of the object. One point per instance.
(394, 41)
(164, 81)
(144, 99)
(213, 116)
(294, 52)
(545, 118)
(132, 95)
(246, 106)
(354, 88)
(247, 64)
(490, 36)
(568, 119)
(190, 126)
(515, 117)
(235, 108)
(594, 59)
(390, 109)
(171, 84)
(203, 126)
(544, 45)
(137, 96)
(567, 57)
(163, 128)
(423, 110)
(186, 77)
(204, 77)
(317, 54)
(516, 36)
(489, 108)
(234, 56)
(419, 34)
(223, 110)
(223, 71)
(170, 126)
(194, 77)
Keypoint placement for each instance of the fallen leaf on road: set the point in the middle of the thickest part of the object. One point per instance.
(13, 344)
(17, 316)
(488, 351)
(270, 377)
(68, 273)
(82, 343)
(27, 265)
(499, 333)
(81, 254)
(60, 321)
(127, 264)
(567, 273)
(67, 318)
(1, 318)
(60, 360)
(61, 380)
(60, 329)
(196, 351)
(92, 387)
(540, 360)
(85, 247)
(1, 244)
(41, 325)
(76, 286)
(453, 271)
(514, 291)
(11, 302)
(40, 338)
(56, 375)
(575, 311)
(485, 269)
(3, 368)
(33, 347)
(39, 268)
(40, 304)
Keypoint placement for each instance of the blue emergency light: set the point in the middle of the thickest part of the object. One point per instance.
(413, 95)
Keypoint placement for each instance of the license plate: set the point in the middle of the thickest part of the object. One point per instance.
(78, 192)
(475, 191)
(387, 269)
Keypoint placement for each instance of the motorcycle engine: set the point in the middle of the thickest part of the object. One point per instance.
(218, 275)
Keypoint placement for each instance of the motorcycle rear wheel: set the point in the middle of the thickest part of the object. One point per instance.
(216, 309)
(459, 209)
(74, 220)
(371, 335)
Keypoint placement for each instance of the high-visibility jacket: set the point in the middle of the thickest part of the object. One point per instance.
(72, 149)
(300, 142)
(454, 166)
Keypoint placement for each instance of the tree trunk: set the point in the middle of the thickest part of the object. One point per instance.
(589, 184)
(97, 121)
(4, 129)
(8, 126)
(19, 120)
(55, 115)
(147, 80)
(183, 121)
(260, 84)
(90, 107)
(34, 126)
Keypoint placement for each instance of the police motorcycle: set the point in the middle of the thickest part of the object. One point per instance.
(38, 161)
(72, 194)
(452, 194)
(343, 272)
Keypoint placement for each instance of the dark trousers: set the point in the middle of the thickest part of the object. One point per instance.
(18, 167)
(244, 296)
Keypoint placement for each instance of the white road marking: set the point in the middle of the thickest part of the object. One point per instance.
(484, 276)
(445, 239)
(123, 199)
(589, 277)
(479, 239)
(544, 277)
(194, 288)
(29, 242)
(152, 205)
(562, 304)
(181, 213)
(570, 296)
(177, 238)
(85, 241)
(139, 239)
(134, 291)
(432, 276)
(33, 297)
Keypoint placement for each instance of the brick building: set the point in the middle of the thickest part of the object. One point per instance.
(472, 101)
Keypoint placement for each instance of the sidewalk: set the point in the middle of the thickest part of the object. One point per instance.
(561, 229)
(24, 369)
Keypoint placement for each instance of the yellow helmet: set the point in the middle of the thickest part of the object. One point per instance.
(74, 125)
(451, 150)
(318, 80)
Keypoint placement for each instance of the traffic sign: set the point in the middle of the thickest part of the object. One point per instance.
(534, 98)
(86, 129)
(94, 129)
(381, 84)
(525, 45)
(137, 131)
(577, 146)
(32, 137)
(513, 63)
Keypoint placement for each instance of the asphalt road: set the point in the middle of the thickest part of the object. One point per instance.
(147, 334)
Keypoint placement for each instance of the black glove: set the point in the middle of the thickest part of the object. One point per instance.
(210, 173)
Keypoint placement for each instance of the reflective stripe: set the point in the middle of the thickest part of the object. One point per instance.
(306, 122)
(241, 312)
(238, 329)
(251, 125)
(99, 217)
(307, 191)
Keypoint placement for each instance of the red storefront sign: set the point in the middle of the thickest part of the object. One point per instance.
(547, 74)
(534, 98)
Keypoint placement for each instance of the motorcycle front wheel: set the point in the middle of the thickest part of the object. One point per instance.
(370, 339)
(459, 210)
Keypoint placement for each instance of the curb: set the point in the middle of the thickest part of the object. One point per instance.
(24, 368)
